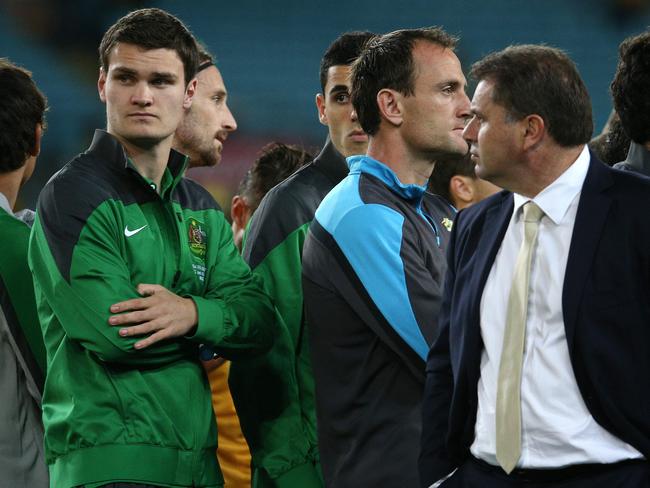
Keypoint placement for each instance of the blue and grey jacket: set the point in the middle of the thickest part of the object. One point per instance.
(373, 270)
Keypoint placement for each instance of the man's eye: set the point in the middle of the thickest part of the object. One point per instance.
(159, 82)
(448, 90)
(342, 98)
(123, 78)
(217, 99)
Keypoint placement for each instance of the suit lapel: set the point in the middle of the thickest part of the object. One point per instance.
(494, 228)
(590, 220)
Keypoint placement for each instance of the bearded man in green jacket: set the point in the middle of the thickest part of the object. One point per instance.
(135, 268)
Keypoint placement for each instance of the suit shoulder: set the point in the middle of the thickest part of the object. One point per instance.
(629, 181)
(477, 211)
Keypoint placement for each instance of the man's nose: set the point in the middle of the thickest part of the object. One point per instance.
(229, 123)
(470, 131)
(142, 95)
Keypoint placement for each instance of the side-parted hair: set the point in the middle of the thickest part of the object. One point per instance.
(276, 162)
(387, 62)
(22, 108)
(630, 88)
(542, 80)
(152, 28)
(342, 52)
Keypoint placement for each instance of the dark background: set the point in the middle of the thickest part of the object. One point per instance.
(269, 53)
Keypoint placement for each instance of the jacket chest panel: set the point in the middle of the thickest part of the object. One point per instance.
(163, 245)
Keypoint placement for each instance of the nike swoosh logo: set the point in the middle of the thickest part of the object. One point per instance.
(129, 233)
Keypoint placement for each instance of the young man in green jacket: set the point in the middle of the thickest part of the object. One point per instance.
(22, 353)
(135, 268)
(273, 246)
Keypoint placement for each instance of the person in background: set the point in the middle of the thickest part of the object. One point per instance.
(612, 144)
(273, 247)
(455, 180)
(201, 135)
(275, 163)
(632, 101)
(22, 352)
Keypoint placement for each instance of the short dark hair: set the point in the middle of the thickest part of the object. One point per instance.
(444, 170)
(531, 79)
(630, 87)
(152, 28)
(343, 51)
(22, 108)
(387, 62)
(275, 163)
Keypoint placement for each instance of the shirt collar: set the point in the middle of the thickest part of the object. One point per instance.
(4, 204)
(638, 158)
(366, 164)
(556, 198)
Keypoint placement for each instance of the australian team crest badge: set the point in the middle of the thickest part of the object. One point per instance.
(448, 223)
(198, 239)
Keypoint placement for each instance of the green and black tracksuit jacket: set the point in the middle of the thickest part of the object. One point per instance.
(113, 413)
(273, 249)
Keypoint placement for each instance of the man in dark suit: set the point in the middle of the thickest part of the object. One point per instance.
(540, 372)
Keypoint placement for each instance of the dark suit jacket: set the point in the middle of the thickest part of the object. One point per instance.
(606, 307)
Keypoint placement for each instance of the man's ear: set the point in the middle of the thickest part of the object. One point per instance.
(320, 105)
(190, 91)
(461, 189)
(38, 134)
(533, 130)
(390, 106)
(239, 211)
(101, 84)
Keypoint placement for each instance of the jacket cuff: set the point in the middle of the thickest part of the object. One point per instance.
(210, 328)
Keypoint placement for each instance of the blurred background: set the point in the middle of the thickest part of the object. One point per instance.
(269, 53)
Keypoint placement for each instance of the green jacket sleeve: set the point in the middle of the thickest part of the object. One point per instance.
(273, 424)
(236, 316)
(98, 277)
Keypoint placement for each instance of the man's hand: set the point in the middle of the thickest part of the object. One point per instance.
(161, 313)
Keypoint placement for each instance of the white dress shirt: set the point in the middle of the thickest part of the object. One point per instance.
(557, 429)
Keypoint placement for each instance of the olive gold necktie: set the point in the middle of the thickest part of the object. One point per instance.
(508, 408)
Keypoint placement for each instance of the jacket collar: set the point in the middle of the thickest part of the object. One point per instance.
(331, 163)
(638, 158)
(366, 164)
(106, 147)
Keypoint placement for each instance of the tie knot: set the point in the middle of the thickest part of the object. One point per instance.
(532, 213)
